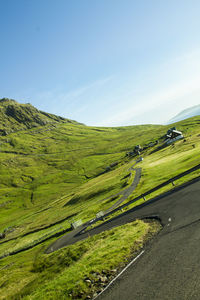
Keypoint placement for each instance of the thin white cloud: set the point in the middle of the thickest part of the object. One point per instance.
(85, 89)
(183, 75)
(149, 102)
(125, 100)
(70, 103)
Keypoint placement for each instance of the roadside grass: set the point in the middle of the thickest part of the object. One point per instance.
(92, 193)
(53, 174)
(41, 165)
(149, 197)
(161, 166)
(63, 274)
(59, 193)
(167, 163)
(21, 243)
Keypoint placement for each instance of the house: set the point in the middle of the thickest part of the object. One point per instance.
(138, 149)
(151, 144)
(173, 135)
(108, 168)
(130, 153)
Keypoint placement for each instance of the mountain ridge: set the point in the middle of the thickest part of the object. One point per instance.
(15, 116)
(186, 113)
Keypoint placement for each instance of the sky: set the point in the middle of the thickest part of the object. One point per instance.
(102, 62)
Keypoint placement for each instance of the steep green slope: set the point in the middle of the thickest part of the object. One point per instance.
(53, 173)
(60, 161)
(41, 165)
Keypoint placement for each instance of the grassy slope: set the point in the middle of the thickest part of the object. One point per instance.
(49, 174)
(59, 164)
(54, 162)
(62, 274)
(174, 159)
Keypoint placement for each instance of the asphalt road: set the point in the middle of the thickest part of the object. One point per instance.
(128, 191)
(170, 266)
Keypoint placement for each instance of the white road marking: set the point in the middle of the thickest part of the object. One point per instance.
(120, 274)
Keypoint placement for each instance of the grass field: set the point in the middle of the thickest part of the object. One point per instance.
(54, 174)
(75, 271)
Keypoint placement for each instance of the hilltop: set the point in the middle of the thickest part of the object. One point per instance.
(15, 116)
(185, 114)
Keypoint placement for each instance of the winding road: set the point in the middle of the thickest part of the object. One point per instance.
(169, 267)
(125, 193)
(128, 191)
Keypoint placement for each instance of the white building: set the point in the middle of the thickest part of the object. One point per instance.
(173, 135)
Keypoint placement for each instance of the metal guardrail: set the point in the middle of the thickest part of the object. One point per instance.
(171, 180)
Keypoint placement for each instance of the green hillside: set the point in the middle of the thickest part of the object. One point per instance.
(54, 171)
(15, 116)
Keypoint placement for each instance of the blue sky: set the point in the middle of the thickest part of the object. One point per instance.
(102, 62)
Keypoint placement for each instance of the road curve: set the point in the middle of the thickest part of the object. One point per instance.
(170, 265)
(126, 192)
